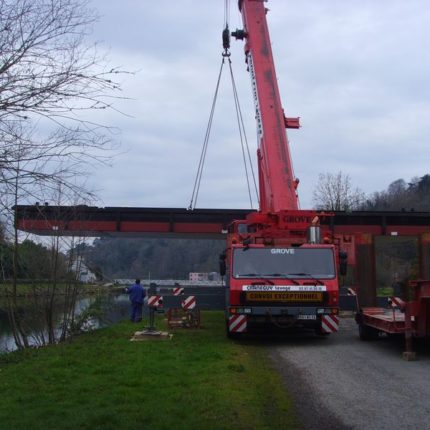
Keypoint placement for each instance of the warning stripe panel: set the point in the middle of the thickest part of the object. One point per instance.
(237, 324)
(329, 323)
(178, 291)
(155, 301)
(189, 302)
(396, 302)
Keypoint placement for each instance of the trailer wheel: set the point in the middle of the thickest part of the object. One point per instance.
(367, 333)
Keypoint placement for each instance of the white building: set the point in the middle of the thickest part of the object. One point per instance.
(83, 273)
(196, 276)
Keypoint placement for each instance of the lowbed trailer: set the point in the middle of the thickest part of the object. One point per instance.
(411, 317)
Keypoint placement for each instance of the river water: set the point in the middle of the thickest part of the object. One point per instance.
(110, 310)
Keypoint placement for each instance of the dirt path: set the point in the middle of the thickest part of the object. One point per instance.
(341, 382)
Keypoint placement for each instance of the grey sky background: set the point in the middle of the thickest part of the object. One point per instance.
(356, 72)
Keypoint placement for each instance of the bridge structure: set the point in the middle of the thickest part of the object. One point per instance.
(356, 232)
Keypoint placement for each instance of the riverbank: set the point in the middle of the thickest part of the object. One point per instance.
(25, 289)
(198, 379)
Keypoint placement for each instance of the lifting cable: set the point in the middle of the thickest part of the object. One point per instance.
(243, 138)
(196, 187)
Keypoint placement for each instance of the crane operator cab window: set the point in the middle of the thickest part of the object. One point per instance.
(242, 228)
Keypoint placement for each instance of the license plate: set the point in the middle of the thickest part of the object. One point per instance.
(306, 317)
(258, 296)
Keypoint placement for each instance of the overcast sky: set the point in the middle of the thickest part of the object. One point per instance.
(356, 72)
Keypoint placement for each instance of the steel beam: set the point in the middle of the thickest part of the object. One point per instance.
(203, 223)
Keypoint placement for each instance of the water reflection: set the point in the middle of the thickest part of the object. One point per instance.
(103, 311)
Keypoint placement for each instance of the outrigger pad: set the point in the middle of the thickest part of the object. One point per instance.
(150, 335)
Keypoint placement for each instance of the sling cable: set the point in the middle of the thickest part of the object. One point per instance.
(246, 156)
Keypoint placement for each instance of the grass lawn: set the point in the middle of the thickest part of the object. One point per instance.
(199, 379)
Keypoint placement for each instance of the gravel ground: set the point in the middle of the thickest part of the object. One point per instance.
(340, 382)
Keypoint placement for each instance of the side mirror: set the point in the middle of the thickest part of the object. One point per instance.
(343, 263)
(222, 264)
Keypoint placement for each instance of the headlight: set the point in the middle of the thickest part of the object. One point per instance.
(246, 311)
(327, 311)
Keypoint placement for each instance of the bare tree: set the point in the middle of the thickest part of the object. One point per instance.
(52, 299)
(335, 192)
(45, 64)
(51, 78)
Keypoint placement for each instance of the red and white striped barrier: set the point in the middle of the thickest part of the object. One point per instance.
(329, 323)
(155, 301)
(396, 302)
(351, 292)
(189, 303)
(237, 324)
(177, 291)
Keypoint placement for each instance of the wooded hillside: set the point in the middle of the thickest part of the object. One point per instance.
(402, 195)
(155, 258)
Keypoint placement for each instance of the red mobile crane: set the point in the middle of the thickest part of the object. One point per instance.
(278, 271)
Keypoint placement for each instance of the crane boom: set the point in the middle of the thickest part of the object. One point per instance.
(276, 178)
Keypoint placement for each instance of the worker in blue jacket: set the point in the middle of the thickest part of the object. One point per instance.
(137, 296)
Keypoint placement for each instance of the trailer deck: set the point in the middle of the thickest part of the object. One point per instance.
(387, 320)
(411, 317)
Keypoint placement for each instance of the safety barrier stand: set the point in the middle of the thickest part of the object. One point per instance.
(187, 316)
(155, 304)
